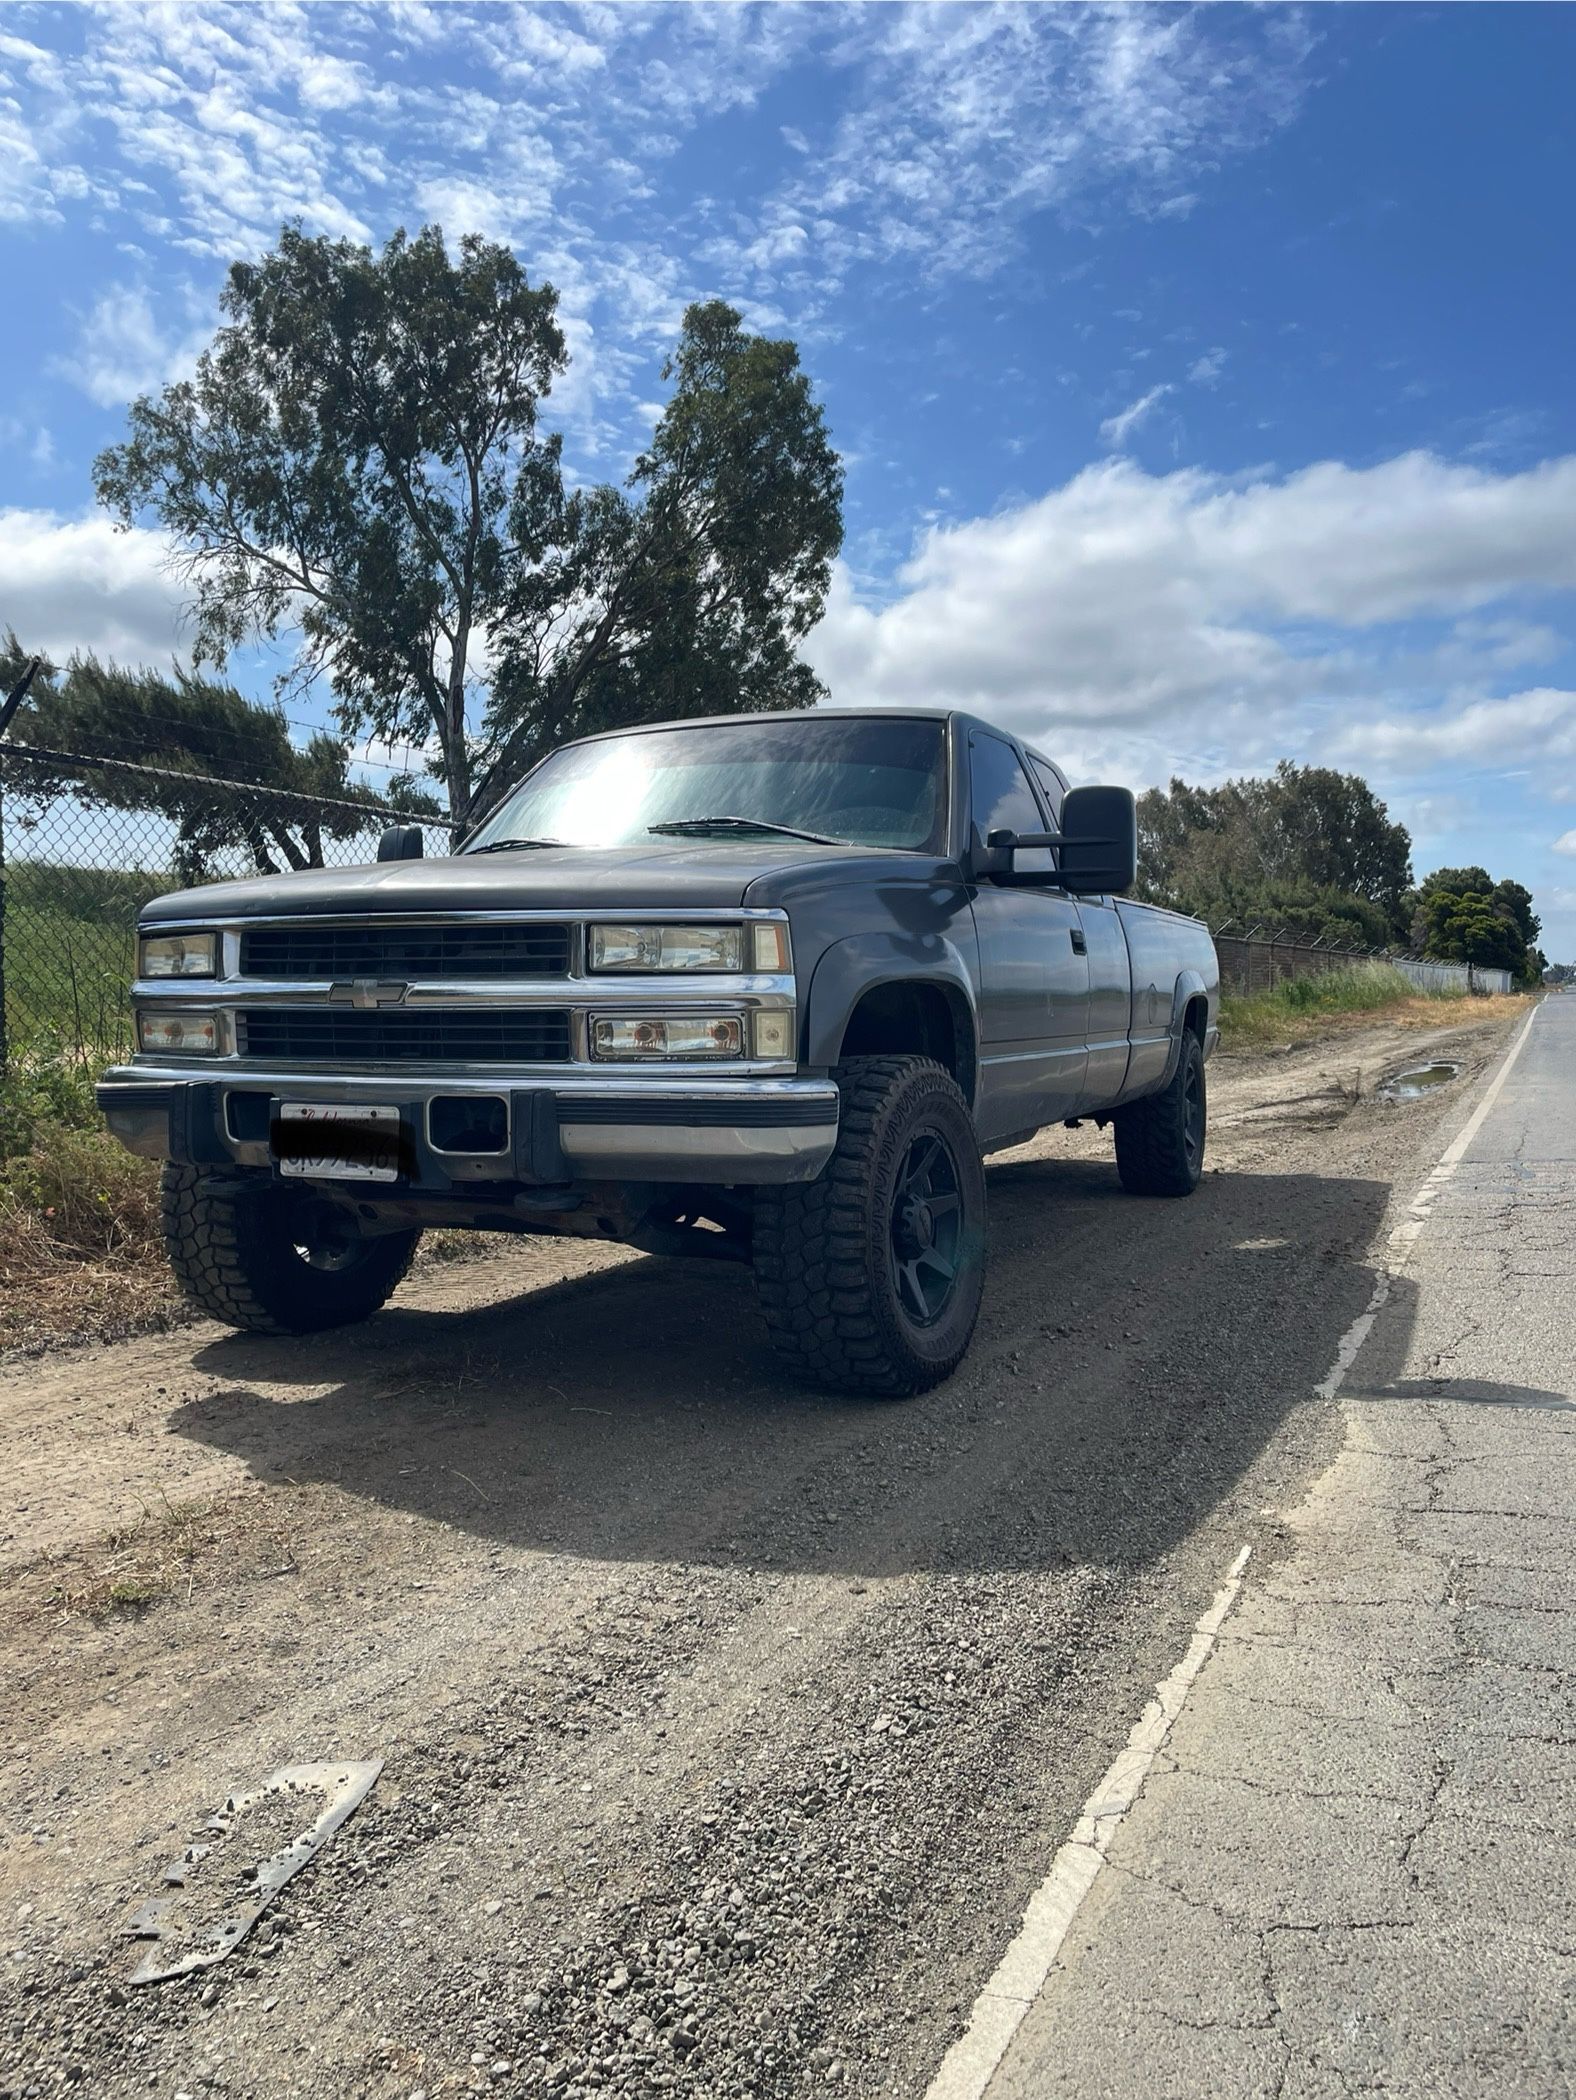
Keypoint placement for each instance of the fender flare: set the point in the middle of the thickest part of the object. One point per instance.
(863, 963)
(1189, 986)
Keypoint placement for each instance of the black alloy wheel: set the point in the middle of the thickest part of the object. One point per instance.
(926, 1228)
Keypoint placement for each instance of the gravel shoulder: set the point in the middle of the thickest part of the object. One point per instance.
(726, 1727)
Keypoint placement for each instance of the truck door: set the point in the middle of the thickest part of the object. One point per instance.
(1110, 1001)
(1034, 974)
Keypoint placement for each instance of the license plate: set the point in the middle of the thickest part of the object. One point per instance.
(322, 1141)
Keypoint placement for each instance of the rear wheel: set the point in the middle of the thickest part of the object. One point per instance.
(271, 1260)
(1160, 1140)
(870, 1277)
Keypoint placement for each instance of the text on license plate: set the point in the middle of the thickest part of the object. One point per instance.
(324, 1141)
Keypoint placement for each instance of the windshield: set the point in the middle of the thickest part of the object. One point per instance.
(852, 781)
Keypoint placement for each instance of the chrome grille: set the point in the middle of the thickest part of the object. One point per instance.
(304, 950)
(406, 1035)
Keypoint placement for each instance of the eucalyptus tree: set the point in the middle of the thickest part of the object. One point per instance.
(358, 469)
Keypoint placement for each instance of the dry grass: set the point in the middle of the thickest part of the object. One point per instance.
(171, 1551)
(137, 1565)
(1265, 1022)
(80, 1252)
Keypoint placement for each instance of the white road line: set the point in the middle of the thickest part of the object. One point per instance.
(970, 2063)
(1404, 1236)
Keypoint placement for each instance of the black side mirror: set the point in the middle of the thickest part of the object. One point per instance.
(1097, 846)
(1099, 840)
(401, 842)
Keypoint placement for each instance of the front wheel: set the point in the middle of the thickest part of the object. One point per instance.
(870, 1277)
(271, 1261)
(1160, 1140)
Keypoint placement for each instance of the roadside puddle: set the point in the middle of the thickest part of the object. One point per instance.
(1413, 1085)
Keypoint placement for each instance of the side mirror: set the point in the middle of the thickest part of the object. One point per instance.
(401, 842)
(1097, 846)
(1099, 840)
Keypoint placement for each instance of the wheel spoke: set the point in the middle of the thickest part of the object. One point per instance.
(938, 1261)
(918, 1166)
(942, 1206)
(909, 1272)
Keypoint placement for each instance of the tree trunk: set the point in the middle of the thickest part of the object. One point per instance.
(457, 758)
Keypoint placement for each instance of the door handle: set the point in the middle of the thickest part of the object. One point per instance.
(1080, 945)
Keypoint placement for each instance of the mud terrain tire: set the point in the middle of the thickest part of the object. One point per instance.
(870, 1277)
(269, 1262)
(1160, 1140)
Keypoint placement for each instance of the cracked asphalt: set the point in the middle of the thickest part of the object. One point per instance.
(728, 1729)
(1353, 1870)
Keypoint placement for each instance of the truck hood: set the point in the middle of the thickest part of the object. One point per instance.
(683, 874)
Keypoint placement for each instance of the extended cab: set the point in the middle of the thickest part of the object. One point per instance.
(765, 987)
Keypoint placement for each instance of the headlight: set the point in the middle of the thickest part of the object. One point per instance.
(667, 1035)
(177, 955)
(667, 947)
(181, 1032)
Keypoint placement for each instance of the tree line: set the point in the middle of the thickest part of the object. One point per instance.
(1313, 853)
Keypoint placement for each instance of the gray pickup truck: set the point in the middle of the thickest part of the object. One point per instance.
(761, 987)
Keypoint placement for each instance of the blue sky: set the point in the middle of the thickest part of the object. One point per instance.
(1204, 376)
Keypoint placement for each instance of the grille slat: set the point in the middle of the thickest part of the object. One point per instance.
(421, 1035)
(504, 948)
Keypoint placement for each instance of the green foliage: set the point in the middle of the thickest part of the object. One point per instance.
(357, 461)
(1307, 849)
(1367, 987)
(47, 1090)
(1463, 915)
(70, 955)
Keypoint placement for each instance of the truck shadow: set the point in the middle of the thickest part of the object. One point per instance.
(1133, 1360)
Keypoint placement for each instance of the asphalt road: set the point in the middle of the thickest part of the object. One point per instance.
(1353, 1869)
(727, 1730)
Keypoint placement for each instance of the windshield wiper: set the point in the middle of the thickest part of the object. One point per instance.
(515, 845)
(696, 827)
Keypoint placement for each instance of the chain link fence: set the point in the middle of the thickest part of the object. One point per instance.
(86, 842)
(1257, 962)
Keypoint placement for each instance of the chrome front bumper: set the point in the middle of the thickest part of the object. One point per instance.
(593, 1127)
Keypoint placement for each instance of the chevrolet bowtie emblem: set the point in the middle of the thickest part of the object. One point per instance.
(366, 992)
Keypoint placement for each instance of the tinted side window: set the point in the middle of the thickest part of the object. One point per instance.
(1002, 797)
(1050, 786)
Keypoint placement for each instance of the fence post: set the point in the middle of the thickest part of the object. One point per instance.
(7, 708)
(4, 1039)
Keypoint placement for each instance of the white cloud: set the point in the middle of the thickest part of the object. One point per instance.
(1540, 723)
(126, 349)
(1206, 370)
(1566, 843)
(1116, 430)
(1151, 622)
(960, 123)
(77, 583)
